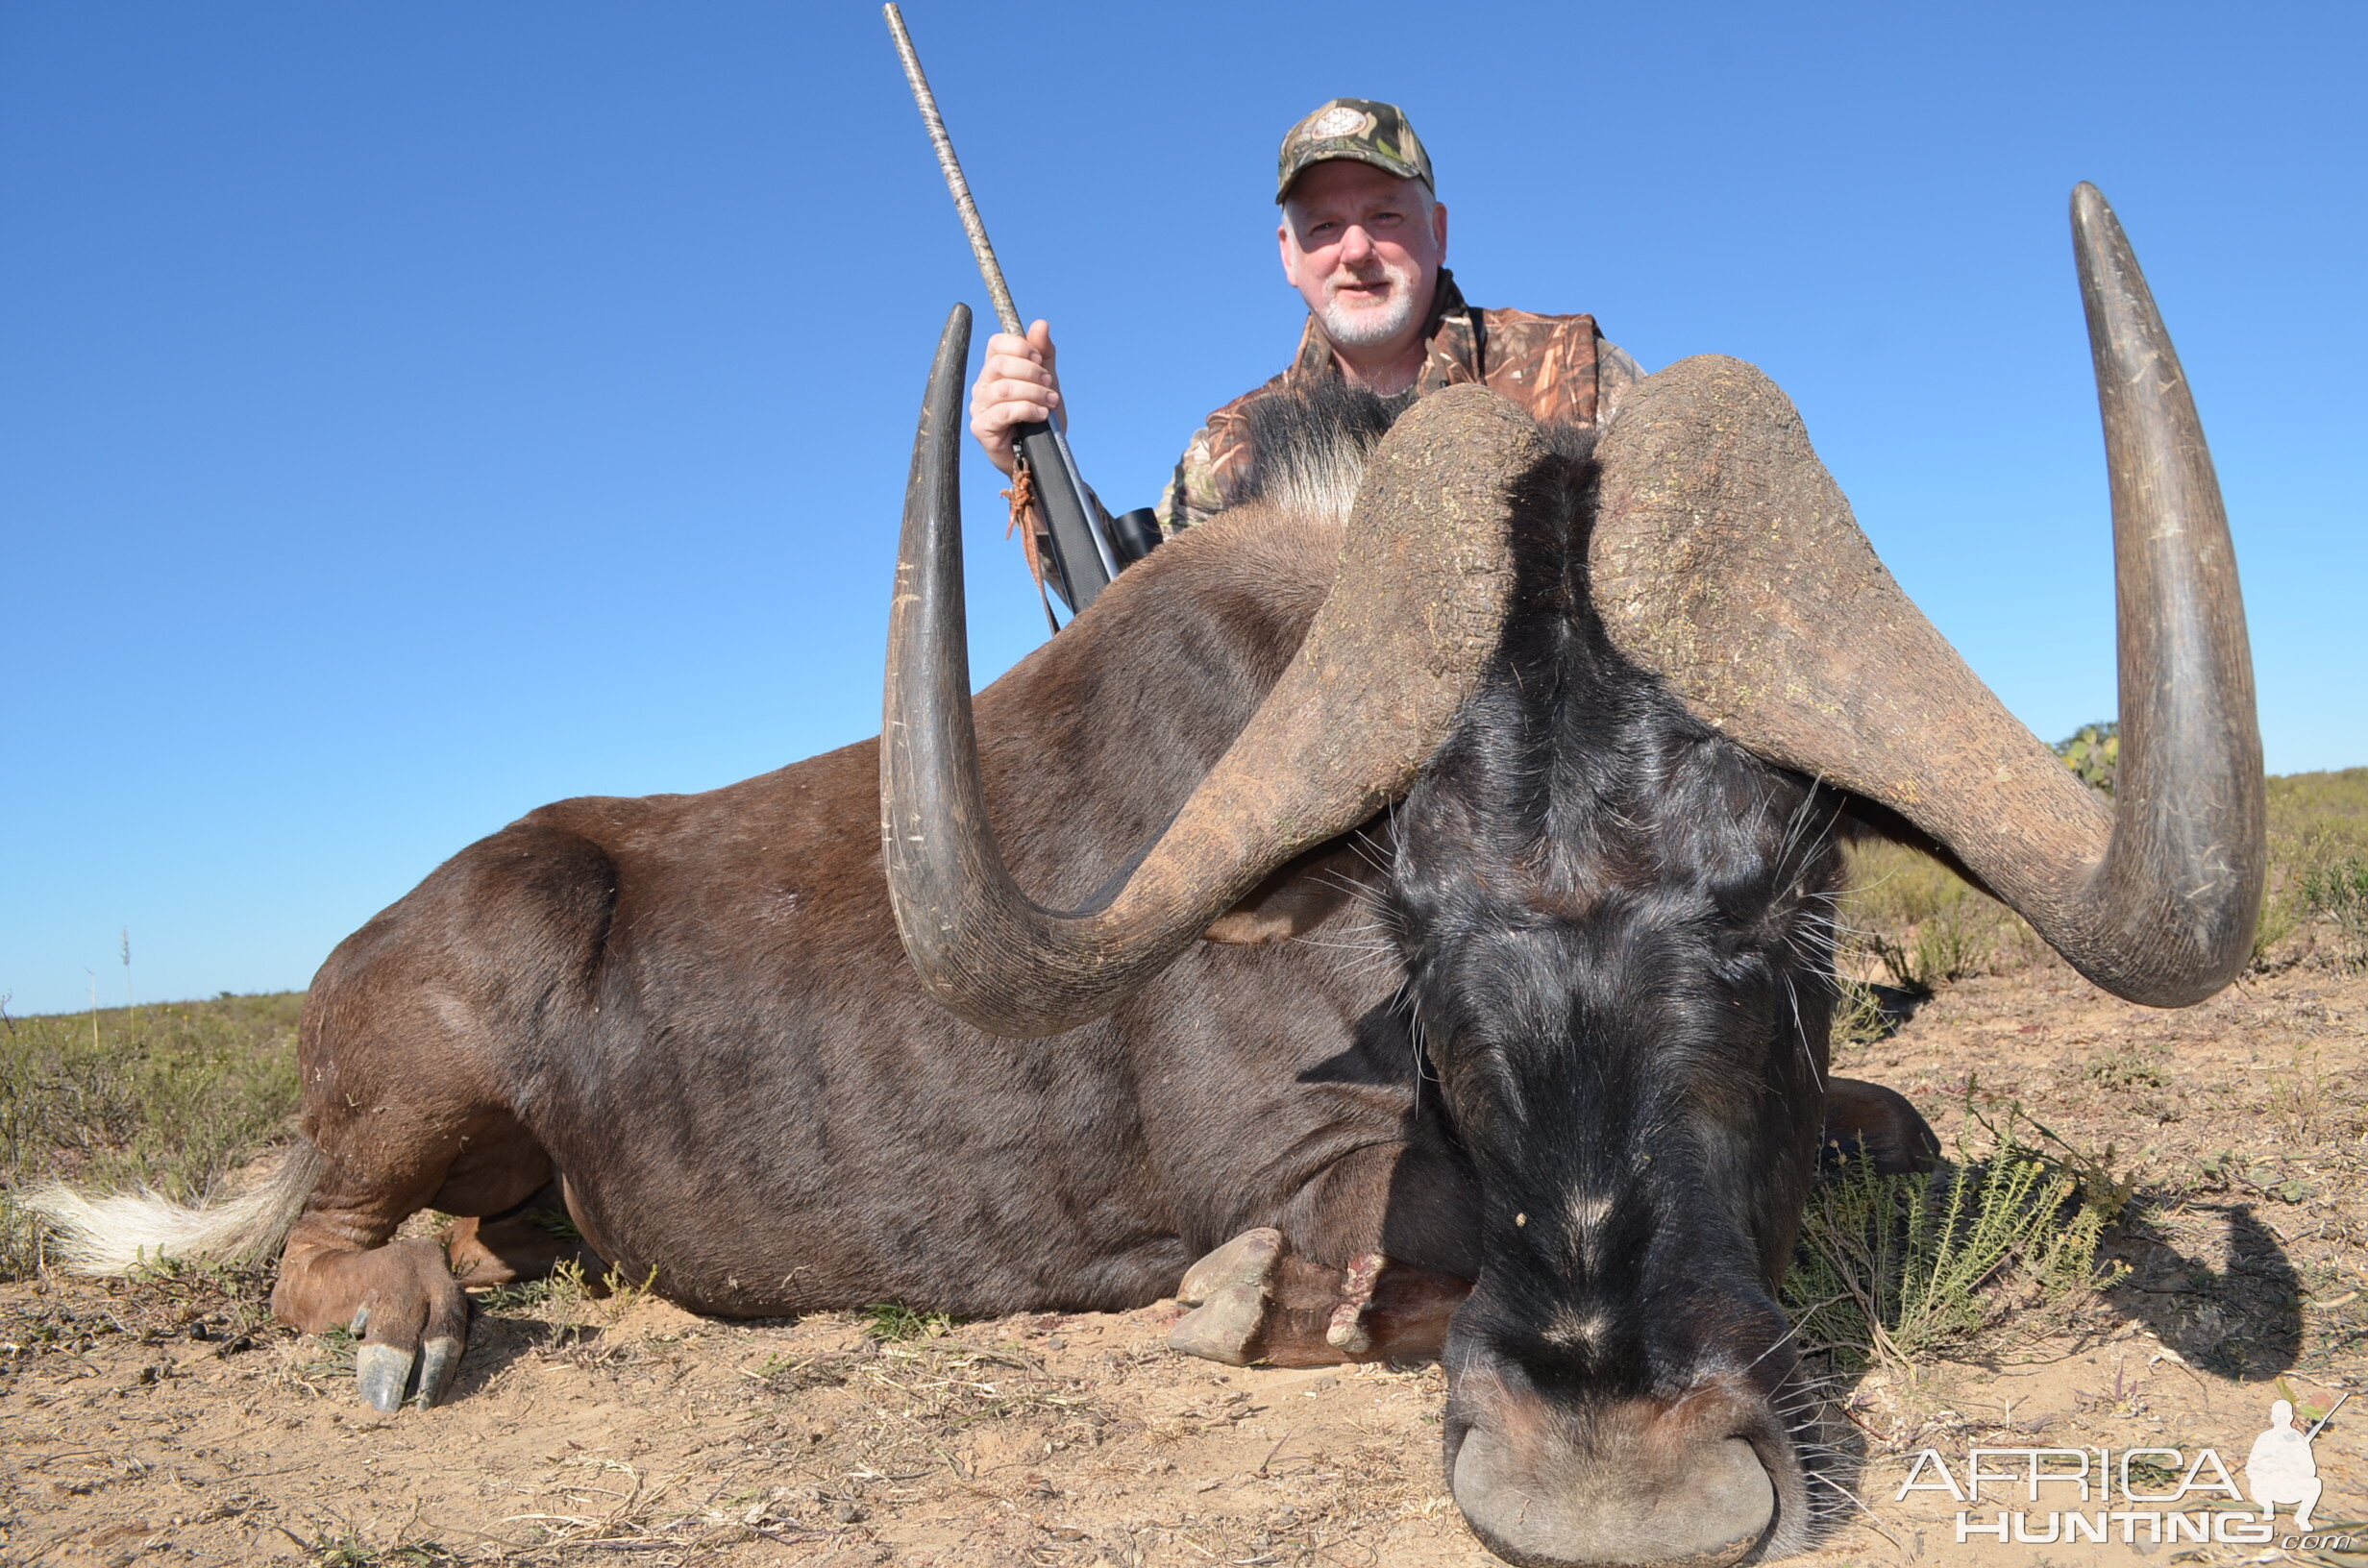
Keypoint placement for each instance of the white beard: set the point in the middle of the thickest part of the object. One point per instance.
(1370, 326)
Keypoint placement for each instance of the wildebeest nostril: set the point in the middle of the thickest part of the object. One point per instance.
(1615, 1500)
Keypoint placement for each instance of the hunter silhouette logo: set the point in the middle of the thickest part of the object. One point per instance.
(2281, 1469)
(2164, 1494)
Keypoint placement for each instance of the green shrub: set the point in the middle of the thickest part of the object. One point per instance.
(887, 1320)
(1908, 917)
(2317, 823)
(1892, 1269)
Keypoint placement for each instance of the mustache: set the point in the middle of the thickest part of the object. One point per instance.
(1380, 272)
(1374, 314)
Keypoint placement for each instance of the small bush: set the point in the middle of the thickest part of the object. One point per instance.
(1860, 1017)
(1893, 1269)
(887, 1321)
(2278, 920)
(2128, 1067)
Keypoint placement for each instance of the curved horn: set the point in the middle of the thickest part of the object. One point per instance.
(1412, 620)
(1726, 559)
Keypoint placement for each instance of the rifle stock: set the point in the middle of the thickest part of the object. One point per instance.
(1081, 555)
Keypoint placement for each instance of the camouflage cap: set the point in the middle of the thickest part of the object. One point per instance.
(1352, 128)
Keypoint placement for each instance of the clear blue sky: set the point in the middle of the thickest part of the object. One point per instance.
(416, 413)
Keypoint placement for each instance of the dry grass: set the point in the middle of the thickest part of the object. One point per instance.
(175, 1094)
(1916, 925)
(2318, 864)
(1912, 923)
(1896, 1271)
(2337, 893)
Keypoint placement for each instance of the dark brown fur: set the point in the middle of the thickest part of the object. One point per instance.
(693, 1013)
(696, 1007)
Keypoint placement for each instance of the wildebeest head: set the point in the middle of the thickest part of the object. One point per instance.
(1623, 700)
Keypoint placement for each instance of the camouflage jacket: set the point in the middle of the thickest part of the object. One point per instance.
(1557, 367)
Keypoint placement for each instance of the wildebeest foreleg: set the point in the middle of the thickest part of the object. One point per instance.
(523, 1242)
(1868, 1123)
(1255, 1300)
(1364, 1260)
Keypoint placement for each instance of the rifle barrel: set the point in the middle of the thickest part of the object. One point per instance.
(1081, 554)
(972, 225)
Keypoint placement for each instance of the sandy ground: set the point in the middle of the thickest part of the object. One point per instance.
(168, 1422)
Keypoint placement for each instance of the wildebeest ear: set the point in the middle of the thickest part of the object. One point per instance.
(1303, 894)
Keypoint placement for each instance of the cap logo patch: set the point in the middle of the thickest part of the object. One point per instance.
(1340, 120)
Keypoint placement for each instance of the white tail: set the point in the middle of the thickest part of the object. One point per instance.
(116, 1235)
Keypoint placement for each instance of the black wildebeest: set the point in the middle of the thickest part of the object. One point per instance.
(1594, 716)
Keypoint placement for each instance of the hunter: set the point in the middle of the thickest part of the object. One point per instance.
(1364, 239)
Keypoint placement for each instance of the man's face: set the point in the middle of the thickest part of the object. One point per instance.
(1363, 248)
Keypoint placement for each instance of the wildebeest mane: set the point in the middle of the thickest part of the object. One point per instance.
(1311, 441)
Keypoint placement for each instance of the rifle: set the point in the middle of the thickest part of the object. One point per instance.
(1084, 558)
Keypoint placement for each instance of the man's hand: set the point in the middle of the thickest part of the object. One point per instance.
(1017, 385)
